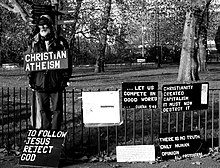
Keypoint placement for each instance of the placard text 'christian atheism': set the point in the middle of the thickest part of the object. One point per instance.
(46, 61)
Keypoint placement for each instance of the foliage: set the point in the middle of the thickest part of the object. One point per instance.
(213, 20)
(13, 37)
(131, 23)
(125, 26)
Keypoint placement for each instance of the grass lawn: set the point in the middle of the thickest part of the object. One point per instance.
(85, 78)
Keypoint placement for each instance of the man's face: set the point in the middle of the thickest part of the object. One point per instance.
(44, 30)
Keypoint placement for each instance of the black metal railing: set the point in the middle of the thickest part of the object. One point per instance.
(140, 126)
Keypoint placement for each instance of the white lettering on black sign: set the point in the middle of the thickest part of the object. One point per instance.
(46, 61)
(184, 97)
(140, 95)
(185, 144)
(40, 144)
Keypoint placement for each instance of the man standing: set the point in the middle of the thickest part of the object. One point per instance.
(49, 84)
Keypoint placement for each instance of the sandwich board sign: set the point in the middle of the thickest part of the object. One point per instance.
(140, 95)
(185, 97)
(42, 148)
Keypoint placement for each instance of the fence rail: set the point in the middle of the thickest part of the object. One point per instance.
(140, 126)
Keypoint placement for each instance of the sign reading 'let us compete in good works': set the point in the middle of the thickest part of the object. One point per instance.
(46, 61)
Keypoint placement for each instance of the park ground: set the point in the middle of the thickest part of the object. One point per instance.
(210, 160)
(84, 78)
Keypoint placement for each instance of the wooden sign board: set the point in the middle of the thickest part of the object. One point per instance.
(42, 148)
(185, 97)
(135, 153)
(185, 144)
(140, 95)
(46, 61)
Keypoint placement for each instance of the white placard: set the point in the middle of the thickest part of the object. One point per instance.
(101, 108)
(204, 94)
(135, 153)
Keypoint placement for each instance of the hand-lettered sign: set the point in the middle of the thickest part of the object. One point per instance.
(42, 148)
(140, 95)
(101, 108)
(185, 97)
(46, 61)
(185, 144)
(135, 153)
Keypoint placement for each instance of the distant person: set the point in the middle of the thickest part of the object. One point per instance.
(49, 84)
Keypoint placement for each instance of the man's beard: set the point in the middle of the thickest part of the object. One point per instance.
(44, 33)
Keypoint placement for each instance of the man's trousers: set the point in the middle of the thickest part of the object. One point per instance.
(51, 114)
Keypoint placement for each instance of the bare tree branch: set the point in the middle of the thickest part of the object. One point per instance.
(17, 8)
(7, 7)
(28, 2)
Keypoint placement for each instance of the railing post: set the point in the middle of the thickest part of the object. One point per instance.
(134, 126)
(73, 118)
(213, 105)
(219, 119)
(64, 105)
(14, 122)
(152, 127)
(34, 108)
(8, 111)
(2, 131)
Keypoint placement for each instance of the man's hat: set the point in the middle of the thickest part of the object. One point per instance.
(45, 20)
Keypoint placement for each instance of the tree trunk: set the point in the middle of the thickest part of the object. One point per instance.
(188, 69)
(202, 41)
(73, 45)
(0, 40)
(193, 54)
(99, 67)
(0, 57)
(202, 53)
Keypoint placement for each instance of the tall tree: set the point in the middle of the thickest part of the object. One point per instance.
(202, 39)
(193, 39)
(99, 67)
(0, 37)
(73, 28)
